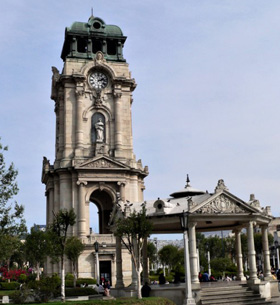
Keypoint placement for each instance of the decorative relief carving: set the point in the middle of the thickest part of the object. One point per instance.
(221, 205)
(102, 163)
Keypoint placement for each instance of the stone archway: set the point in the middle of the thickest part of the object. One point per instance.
(104, 203)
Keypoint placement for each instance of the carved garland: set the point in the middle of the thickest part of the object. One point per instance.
(221, 205)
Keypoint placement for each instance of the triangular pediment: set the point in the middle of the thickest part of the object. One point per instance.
(223, 203)
(102, 163)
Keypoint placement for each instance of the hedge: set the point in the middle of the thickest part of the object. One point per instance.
(9, 286)
(71, 292)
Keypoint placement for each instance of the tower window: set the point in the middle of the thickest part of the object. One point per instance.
(111, 47)
(96, 45)
(82, 45)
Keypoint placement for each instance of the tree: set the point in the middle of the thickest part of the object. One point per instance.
(8, 246)
(152, 253)
(58, 235)
(168, 256)
(11, 214)
(37, 247)
(74, 248)
(12, 223)
(132, 230)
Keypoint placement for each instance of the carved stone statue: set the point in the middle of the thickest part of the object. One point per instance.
(99, 127)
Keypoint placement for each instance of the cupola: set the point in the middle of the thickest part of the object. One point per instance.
(85, 39)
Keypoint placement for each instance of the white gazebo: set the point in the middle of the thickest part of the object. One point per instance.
(203, 211)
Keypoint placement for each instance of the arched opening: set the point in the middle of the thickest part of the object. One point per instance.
(93, 218)
(104, 204)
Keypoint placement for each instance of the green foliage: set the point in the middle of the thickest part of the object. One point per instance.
(69, 277)
(22, 278)
(80, 291)
(9, 286)
(88, 281)
(223, 265)
(8, 246)
(46, 288)
(11, 214)
(37, 246)
(21, 296)
(134, 227)
(74, 248)
(152, 252)
(171, 256)
(58, 231)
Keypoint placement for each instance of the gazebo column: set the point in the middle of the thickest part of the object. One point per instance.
(252, 253)
(239, 258)
(193, 253)
(266, 253)
(145, 262)
(119, 275)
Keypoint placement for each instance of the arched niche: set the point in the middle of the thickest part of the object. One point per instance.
(98, 128)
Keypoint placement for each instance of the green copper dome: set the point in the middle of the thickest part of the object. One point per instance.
(85, 39)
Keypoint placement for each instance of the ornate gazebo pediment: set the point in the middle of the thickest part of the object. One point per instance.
(102, 163)
(223, 203)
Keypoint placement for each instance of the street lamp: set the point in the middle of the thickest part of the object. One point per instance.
(277, 252)
(184, 219)
(96, 248)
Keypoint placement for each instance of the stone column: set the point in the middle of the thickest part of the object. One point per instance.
(239, 258)
(118, 134)
(122, 190)
(252, 253)
(145, 262)
(81, 209)
(193, 253)
(119, 275)
(50, 205)
(79, 120)
(266, 254)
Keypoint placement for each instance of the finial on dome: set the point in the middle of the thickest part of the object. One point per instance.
(188, 181)
(91, 12)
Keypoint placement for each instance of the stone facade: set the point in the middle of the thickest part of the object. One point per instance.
(94, 158)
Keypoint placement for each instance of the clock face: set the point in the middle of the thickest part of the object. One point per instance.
(98, 80)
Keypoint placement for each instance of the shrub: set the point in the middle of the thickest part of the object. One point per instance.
(31, 277)
(69, 283)
(9, 286)
(47, 288)
(22, 278)
(69, 277)
(79, 291)
(88, 281)
(21, 296)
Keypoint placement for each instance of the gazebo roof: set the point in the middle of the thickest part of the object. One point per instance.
(220, 210)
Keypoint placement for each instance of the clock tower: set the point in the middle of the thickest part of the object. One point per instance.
(94, 159)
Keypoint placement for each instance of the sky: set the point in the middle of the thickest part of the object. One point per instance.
(207, 101)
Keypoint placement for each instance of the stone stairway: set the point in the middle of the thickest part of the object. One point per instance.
(231, 295)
